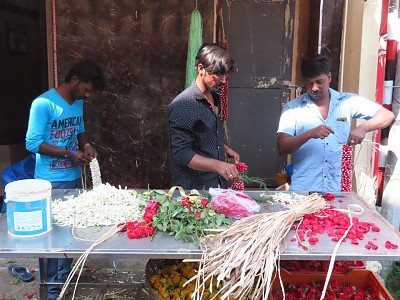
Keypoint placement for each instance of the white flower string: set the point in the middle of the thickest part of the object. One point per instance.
(95, 171)
(285, 199)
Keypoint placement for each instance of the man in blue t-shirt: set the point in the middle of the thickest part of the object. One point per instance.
(314, 127)
(56, 134)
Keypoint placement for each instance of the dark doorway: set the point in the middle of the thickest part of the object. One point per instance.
(260, 38)
(23, 52)
(23, 73)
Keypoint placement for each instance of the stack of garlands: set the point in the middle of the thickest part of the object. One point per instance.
(185, 218)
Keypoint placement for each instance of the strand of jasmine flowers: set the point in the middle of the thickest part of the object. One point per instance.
(95, 170)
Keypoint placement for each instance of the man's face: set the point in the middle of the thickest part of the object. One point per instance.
(81, 90)
(318, 87)
(213, 82)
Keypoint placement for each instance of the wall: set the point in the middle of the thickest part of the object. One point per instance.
(142, 47)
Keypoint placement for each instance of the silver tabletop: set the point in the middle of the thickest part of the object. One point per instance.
(62, 242)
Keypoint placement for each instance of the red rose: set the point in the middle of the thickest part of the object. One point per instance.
(241, 167)
(204, 202)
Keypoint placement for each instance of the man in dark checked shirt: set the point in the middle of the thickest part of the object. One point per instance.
(197, 152)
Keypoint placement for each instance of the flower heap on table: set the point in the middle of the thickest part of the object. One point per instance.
(185, 218)
(335, 223)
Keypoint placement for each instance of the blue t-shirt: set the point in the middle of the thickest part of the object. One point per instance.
(54, 121)
(317, 163)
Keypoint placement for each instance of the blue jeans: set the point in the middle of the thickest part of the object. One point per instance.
(58, 269)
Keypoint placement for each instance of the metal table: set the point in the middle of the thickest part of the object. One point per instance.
(59, 242)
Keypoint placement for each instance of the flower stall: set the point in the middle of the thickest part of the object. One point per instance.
(183, 222)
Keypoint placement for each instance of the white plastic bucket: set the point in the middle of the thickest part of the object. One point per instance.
(28, 207)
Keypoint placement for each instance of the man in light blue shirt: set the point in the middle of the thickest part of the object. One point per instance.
(314, 127)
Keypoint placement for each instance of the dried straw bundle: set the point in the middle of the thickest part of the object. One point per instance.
(243, 257)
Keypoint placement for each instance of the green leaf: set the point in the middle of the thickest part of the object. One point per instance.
(179, 235)
(219, 219)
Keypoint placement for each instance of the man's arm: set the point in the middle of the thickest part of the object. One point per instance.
(288, 144)
(382, 119)
(52, 151)
(224, 169)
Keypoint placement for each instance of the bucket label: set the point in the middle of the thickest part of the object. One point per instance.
(28, 221)
(30, 218)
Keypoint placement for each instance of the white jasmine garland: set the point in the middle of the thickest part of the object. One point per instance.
(95, 171)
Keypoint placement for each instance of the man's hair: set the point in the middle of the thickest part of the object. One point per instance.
(315, 66)
(89, 72)
(215, 59)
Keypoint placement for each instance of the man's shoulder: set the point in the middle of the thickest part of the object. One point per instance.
(342, 96)
(297, 101)
(46, 96)
(186, 97)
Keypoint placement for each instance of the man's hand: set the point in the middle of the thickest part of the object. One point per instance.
(227, 170)
(356, 135)
(321, 132)
(288, 144)
(224, 169)
(81, 158)
(90, 151)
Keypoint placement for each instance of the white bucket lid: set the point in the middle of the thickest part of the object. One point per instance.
(27, 187)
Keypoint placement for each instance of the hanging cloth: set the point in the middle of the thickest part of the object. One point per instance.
(194, 42)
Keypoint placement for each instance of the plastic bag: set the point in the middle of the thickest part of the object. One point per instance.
(233, 204)
(24, 169)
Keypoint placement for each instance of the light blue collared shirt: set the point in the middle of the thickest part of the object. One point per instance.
(317, 163)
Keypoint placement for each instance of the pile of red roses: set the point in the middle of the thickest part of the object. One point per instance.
(139, 229)
(336, 290)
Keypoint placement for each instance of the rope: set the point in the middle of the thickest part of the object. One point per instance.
(54, 23)
(194, 42)
(335, 250)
